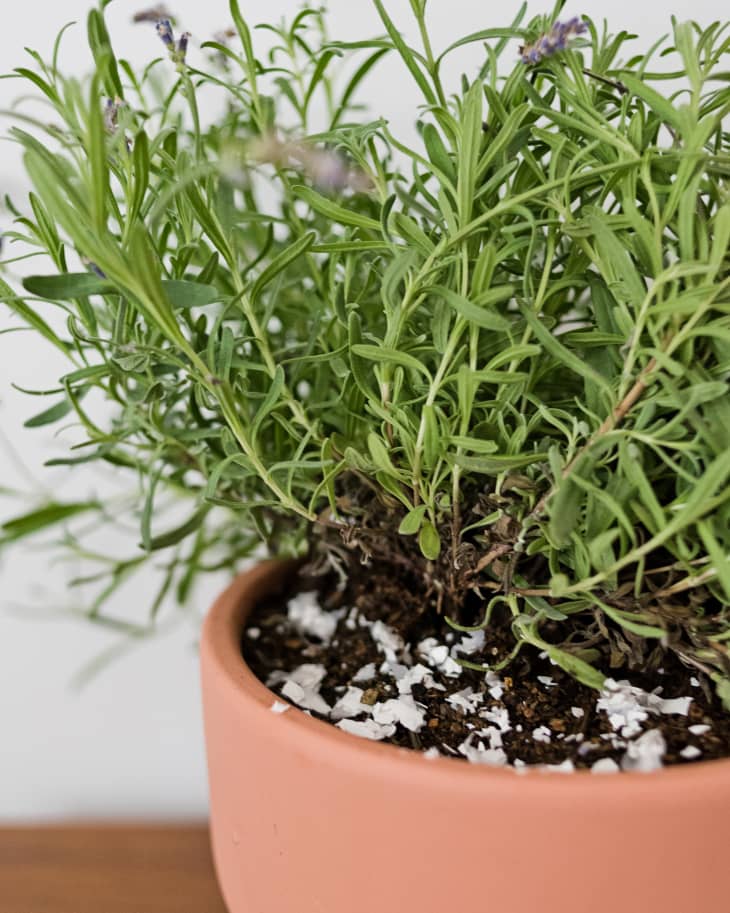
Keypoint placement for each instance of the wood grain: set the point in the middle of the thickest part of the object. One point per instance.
(107, 869)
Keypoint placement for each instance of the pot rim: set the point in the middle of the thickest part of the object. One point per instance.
(222, 659)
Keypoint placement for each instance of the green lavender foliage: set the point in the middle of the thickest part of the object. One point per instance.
(518, 337)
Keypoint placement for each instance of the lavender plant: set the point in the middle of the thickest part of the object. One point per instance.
(497, 358)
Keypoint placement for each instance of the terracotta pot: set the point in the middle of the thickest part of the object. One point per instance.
(308, 819)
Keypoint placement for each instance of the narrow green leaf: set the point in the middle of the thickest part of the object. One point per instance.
(657, 103)
(383, 355)
(555, 348)
(184, 293)
(719, 556)
(176, 535)
(476, 445)
(486, 35)
(141, 166)
(468, 158)
(97, 154)
(54, 414)
(630, 621)
(333, 211)
(361, 371)
(38, 520)
(495, 463)
(406, 53)
(437, 152)
(40, 83)
(575, 666)
(67, 286)
(281, 262)
(270, 401)
(480, 314)
(29, 316)
(379, 453)
(104, 56)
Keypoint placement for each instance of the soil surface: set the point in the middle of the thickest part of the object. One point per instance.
(366, 656)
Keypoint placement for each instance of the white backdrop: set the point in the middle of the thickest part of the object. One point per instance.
(130, 743)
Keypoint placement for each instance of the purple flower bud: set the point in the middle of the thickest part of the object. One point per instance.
(93, 268)
(576, 25)
(182, 47)
(112, 107)
(164, 30)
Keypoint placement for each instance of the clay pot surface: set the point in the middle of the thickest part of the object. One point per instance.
(308, 819)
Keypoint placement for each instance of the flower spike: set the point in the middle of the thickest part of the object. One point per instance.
(553, 42)
(164, 30)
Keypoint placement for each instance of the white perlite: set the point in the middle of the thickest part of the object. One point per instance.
(699, 729)
(403, 710)
(542, 734)
(308, 616)
(438, 657)
(625, 706)
(471, 643)
(367, 729)
(628, 706)
(499, 716)
(280, 707)
(495, 686)
(349, 704)
(605, 766)
(678, 705)
(467, 699)
(645, 753)
(690, 753)
(365, 674)
(417, 675)
(302, 686)
(388, 641)
(304, 698)
(480, 754)
(493, 734)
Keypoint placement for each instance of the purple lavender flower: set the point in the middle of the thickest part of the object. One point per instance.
(164, 30)
(93, 268)
(553, 42)
(327, 168)
(182, 47)
(176, 50)
(112, 107)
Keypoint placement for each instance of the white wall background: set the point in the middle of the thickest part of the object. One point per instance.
(130, 743)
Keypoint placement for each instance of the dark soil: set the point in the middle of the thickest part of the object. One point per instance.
(378, 594)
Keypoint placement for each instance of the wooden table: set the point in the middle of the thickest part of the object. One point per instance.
(107, 869)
